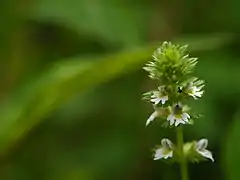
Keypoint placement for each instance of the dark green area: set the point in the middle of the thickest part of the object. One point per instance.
(71, 84)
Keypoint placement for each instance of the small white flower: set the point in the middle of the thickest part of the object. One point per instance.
(159, 96)
(194, 91)
(201, 146)
(165, 151)
(177, 116)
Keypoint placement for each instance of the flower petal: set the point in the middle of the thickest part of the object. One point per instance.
(185, 117)
(166, 143)
(195, 92)
(179, 121)
(202, 144)
(164, 99)
(171, 122)
(206, 153)
(152, 117)
(156, 100)
(158, 154)
(170, 117)
(162, 153)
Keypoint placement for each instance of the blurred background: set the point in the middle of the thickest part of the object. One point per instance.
(72, 82)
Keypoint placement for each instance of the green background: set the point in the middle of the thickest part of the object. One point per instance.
(72, 81)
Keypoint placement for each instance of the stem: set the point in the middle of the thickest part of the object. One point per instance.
(183, 163)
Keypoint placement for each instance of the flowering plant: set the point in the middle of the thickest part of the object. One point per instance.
(172, 67)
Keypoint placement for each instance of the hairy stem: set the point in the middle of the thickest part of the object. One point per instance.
(183, 163)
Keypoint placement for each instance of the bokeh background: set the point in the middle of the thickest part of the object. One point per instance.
(72, 82)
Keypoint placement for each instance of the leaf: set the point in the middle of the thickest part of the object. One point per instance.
(65, 80)
(110, 20)
(232, 149)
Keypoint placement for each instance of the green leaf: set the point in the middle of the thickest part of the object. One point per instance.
(232, 149)
(112, 21)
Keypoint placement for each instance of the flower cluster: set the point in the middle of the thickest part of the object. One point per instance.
(193, 151)
(172, 67)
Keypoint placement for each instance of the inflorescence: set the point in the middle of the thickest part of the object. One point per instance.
(172, 67)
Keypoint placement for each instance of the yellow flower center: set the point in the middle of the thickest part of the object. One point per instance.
(178, 116)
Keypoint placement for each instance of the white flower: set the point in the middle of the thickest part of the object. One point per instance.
(165, 151)
(201, 146)
(177, 116)
(194, 91)
(158, 96)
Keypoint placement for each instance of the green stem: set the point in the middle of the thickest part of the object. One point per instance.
(183, 162)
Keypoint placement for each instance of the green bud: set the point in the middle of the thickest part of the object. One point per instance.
(170, 63)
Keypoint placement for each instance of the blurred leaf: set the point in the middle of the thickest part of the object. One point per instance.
(232, 149)
(67, 79)
(109, 20)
